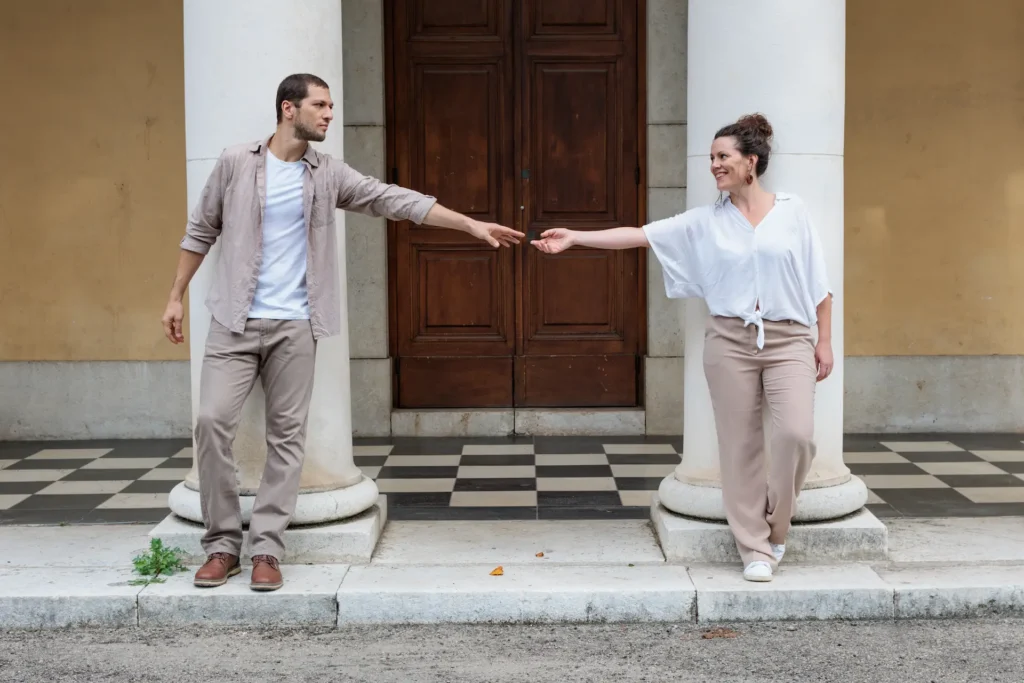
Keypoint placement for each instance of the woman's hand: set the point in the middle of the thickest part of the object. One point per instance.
(823, 357)
(555, 240)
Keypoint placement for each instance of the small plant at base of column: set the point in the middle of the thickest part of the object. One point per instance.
(159, 562)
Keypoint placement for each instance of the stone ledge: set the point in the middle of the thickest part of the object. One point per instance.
(797, 593)
(859, 537)
(35, 598)
(470, 595)
(335, 595)
(308, 599)
(952, 593)
(454, 423)
(577, 422)
(350, 541)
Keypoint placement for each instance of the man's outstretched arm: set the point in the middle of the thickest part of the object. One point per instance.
(367, 195)
(492, 233)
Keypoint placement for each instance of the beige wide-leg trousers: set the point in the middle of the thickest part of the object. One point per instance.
(281, 353)
(760, 496)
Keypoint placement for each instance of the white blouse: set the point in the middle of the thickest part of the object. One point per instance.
(776, 272)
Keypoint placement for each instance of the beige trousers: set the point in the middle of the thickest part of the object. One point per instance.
(281, 354)
(760, 496)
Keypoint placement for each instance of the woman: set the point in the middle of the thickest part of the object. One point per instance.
(756, 259)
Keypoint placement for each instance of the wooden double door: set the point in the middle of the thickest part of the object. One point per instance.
(524, 113)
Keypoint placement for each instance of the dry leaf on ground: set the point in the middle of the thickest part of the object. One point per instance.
(540, 554)
(719, 633)
(498, 571)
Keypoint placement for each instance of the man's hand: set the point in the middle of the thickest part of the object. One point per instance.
(173, 316)
(555, 240)
(494, 234)
(823, 358)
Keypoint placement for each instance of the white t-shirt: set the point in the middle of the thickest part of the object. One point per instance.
(774, 272)
(281, 292)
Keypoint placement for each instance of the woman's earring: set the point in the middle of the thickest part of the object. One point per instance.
(750, 179)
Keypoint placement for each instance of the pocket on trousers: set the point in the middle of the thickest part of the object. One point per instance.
(713, 349)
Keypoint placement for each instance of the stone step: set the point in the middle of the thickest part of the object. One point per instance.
(350, 541)
(858, 537)
(331, 595)
(523, 594)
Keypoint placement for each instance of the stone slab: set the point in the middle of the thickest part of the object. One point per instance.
(351, 541)
(596, 422)
(861, 536)
(67, 400)
(933, 394)
(562, 542)
(307, 599)
(371, 396)
(850, 591)
(72, 546)
(956, 592)
(37, 598)
(663, 387)
(986, 540)
(552, 594)
(455, 423)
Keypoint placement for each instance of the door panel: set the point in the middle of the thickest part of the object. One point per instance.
(568, 17)
(574, 143)
(578, 341)
(469, 381)
(449, 18)
(453, 138)
(588, 381)
(521, 112)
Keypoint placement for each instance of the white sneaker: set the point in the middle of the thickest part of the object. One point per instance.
(758, 571)
(778, 550)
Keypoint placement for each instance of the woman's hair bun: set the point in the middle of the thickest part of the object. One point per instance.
(758, 124)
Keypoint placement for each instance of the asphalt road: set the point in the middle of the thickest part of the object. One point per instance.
(908, 652)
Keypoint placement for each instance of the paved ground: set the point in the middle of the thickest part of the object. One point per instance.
(514, 478)
(907, 652)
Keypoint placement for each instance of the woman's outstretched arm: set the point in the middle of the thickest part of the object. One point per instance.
(559, 239)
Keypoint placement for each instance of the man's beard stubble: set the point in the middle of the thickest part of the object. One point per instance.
(306, 134)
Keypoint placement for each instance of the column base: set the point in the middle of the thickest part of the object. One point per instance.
(856, 538)
(813, 505)
(311, 508)
(349, 541)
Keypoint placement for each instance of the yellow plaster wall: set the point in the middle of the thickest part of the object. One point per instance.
(935, 177)
(92, 177)
(92, 183)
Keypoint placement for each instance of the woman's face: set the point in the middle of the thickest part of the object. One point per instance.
(728, 165)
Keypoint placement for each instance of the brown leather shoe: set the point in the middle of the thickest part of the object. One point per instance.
(266, 573)
(218, 569)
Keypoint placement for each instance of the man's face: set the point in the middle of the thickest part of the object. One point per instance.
(313, 115)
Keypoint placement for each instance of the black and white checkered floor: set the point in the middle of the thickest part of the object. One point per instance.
(103, 482)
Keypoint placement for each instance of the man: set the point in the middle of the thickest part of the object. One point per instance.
(275, 293)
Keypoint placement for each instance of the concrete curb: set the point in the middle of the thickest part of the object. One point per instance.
(334, 595)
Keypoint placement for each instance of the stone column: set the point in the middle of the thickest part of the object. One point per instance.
(790, 67)
(236, 54)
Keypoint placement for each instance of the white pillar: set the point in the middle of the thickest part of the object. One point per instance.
(236, 54)
(786, 60)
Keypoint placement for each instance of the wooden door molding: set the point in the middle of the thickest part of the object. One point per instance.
(453, 296)
(578, 336)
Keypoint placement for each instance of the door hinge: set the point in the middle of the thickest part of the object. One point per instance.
(637, 175)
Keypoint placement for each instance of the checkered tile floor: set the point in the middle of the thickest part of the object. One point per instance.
(510, 478)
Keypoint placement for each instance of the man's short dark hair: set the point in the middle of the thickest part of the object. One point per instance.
(295, 88)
